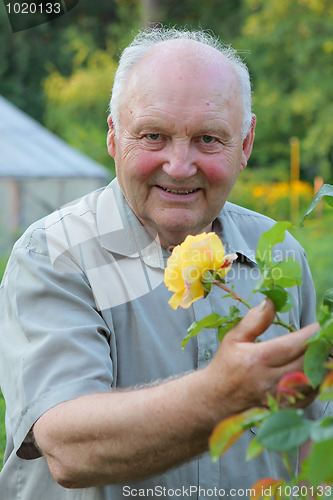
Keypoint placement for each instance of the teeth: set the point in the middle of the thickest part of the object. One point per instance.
(174, 191)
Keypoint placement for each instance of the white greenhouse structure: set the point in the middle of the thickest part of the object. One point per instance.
(39, 172)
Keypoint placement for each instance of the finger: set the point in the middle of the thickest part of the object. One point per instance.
(257, 320)
(295, 365)
(289, 347)
(308, 392)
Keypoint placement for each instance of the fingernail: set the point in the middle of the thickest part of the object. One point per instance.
(263, 305)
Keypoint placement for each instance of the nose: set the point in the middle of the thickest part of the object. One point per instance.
(180, 163)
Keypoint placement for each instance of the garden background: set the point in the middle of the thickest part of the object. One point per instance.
(61, 73)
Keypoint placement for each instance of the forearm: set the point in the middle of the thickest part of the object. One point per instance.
(121, 436)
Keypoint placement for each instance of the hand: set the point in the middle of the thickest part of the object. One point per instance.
(243, 372)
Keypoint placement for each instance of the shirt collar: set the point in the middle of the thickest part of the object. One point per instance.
(232, 238)
(121, 232)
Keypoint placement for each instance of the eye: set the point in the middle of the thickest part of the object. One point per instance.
(154, 137)
(208, 139)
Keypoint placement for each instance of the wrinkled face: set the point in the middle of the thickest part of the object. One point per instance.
(178, 151)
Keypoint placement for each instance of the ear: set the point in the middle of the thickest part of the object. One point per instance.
(111, 138)
(248, 143)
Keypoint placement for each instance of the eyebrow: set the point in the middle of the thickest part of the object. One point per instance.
(213, 130)
(150, 124)
(155, 125)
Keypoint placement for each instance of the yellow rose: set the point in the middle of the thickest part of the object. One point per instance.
(188, 263)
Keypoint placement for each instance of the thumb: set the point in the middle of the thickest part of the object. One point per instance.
(257, 320)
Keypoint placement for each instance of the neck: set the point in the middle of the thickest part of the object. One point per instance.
(170, 239)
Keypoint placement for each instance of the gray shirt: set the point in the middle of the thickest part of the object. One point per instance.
(84, 309)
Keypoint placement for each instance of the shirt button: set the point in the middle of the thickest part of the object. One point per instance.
(207, 354)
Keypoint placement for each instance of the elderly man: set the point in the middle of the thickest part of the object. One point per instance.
(101, 401)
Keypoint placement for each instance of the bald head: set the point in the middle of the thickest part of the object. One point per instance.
(180, 72)
(196, 50)
(186, 50)
(194, 56)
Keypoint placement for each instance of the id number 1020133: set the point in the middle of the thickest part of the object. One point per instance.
(34, 8)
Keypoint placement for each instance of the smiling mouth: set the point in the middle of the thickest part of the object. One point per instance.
(179, 191)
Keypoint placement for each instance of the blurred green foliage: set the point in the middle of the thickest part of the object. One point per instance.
(3, 261)
(61, 72)
(258, 193)
(316, 239)
(290, 57)
(2, 428)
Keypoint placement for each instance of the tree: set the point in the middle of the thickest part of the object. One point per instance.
(76, 107)
(27, 56)
(223, 17)
(290, 57)
(77, 104)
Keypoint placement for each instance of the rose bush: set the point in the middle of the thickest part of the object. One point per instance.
(192, 269)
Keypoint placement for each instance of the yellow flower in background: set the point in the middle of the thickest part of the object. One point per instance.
(273, 192)
(258, 191)
(189, 262)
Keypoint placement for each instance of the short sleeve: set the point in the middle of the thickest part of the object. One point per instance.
(54, 343)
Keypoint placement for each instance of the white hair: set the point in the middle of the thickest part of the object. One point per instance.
(144, 40)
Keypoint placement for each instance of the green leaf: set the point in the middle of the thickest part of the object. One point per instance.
(320, 463)
(284, 274)
(212, 321)
(325, 190)
(272, 403)
(265, 280)
(224, 329)
(254, 449)
(207, 288)
(287, 273)
(322, 429)
(326, 396)
(208, 277)
(327, 330)
(326, 387)
(234, 312)
(267, 240)
(328, 299)
(284, 430)
(230, 429)
(233, 320)
(288, 305)
(323, 314)
(314, 359)
(282, 299)
(211, 277)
